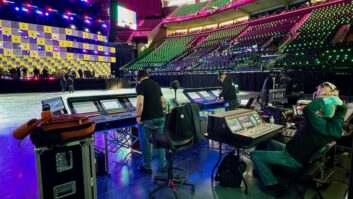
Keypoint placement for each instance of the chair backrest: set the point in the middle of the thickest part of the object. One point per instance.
(250, 102)
(181, 126)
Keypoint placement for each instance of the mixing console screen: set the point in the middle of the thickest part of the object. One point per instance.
(253, 120)
(112, 104)
(194, 96)
(245, 121)
(206, 95)
(234, 125)
(216, 92)
(84, 107)
(133, 101)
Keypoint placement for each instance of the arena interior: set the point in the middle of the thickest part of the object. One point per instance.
(232, 76)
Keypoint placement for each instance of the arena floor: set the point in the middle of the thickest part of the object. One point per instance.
(18, 178)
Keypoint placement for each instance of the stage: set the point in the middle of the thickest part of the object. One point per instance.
(18, 178)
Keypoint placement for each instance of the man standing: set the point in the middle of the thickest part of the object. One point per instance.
(80, 73)
(228, 93)
(266, 86)
(149, 113)
(63, 83)
(70, 84)
(36, 72)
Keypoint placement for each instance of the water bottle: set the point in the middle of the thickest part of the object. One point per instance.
(46, 112)
(272, 119)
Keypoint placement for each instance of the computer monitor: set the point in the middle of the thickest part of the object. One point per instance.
(194, 96)
(132, 101)
(244, 102)
(56, 104)
(112, 105)
(206, 95)
(84, 107)
(277, 95)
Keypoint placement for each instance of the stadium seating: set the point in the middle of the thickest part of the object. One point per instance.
(215, 4)
(170, 49)
(188, 9)
(313, 47)
(281, 40)
(216, 38)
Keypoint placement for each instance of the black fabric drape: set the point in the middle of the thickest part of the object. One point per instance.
(252, 81)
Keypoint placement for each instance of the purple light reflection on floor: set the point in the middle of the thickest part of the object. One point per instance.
(18, 177)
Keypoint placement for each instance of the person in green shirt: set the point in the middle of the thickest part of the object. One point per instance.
(323, 123)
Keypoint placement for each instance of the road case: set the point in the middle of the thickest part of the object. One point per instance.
(67, 171)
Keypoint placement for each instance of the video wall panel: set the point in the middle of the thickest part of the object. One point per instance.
(17, 38)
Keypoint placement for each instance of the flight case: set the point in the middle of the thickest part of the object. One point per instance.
(67, 171)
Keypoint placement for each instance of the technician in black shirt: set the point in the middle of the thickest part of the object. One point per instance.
(228, 93)
(149, 113)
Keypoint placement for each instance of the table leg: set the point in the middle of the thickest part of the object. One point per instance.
(106, 150)
(218, 161)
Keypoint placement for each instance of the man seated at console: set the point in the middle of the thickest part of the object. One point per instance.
(323, 122)
(149, 113)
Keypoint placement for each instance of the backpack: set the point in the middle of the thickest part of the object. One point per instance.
(56, 129)
(230, 171)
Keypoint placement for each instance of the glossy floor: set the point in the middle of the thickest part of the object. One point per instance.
(18, 178)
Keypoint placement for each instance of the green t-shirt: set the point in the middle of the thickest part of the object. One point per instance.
(317, 131)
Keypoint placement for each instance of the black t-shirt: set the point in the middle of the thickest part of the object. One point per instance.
(228, 90)
(152, 107)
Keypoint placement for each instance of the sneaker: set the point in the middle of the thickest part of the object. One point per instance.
(143, 169)
(277, 190)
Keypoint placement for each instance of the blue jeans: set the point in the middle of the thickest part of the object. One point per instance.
(146, 145)
(275, 154)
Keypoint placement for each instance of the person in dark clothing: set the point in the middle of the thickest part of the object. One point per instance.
(70, 84)
(149, 113)
(12, 72)
(63, 84)
(266, 86)
(35, 72)
(285, 82)
(18, 73)
(45, 73)
(24, 72)
(228, 93)
(323, 123)
(80, 73)
(2, 72)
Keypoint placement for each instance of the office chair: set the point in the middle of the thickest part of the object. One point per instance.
(344, 144)
(174, 141)
(314, 172)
